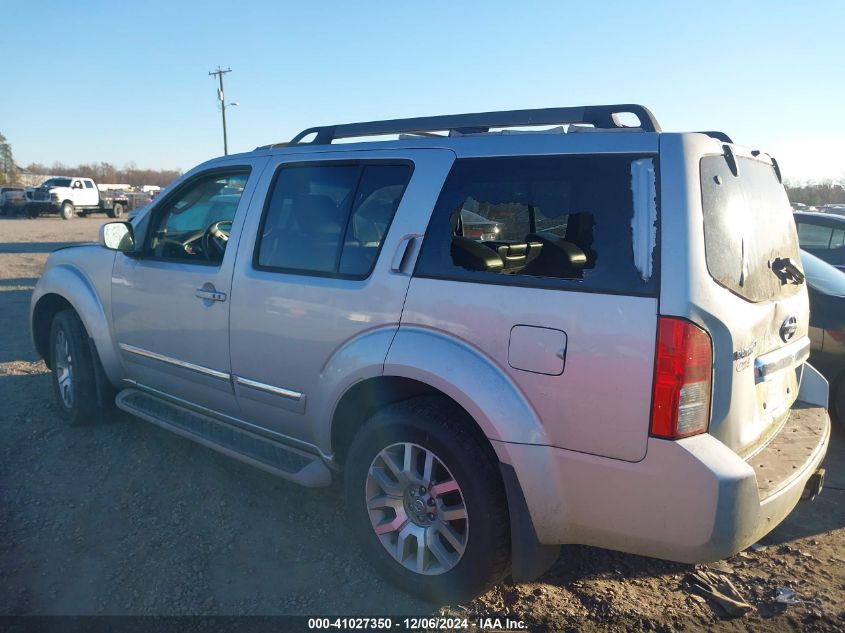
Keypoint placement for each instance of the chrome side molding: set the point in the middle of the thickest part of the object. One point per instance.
(175, 362)
(290, 394)
(276, 391)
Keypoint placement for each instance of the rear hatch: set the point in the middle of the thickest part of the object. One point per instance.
(752, 252)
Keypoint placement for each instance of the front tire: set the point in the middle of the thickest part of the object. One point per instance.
(425, 499)
(75, 381)
(116, 211)
(66, 210)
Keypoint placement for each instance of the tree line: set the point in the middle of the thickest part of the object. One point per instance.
(130, 174)
(816, 193)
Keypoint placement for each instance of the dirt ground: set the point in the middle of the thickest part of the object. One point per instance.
(129, 519)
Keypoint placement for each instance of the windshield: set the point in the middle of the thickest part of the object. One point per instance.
(56, 182)
(822, 276)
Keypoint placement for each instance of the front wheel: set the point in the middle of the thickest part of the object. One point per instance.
(116, 211)
(80, 398)
(425, 499)
(66, 210)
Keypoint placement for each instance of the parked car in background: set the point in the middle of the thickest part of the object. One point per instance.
(822, 235)
(478, 227)
(12, 200)
(826, 286)
(74, 196)
(836, 209)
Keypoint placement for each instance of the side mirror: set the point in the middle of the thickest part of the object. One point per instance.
(118, 236)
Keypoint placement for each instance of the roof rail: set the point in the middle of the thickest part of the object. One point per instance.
(719, 136)
(600, 116)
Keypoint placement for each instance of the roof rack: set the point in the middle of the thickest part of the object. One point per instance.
(600, 116)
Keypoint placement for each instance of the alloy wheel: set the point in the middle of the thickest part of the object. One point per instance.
(64, 369)
(417, 509)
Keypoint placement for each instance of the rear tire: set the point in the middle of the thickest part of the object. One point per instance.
(82, 396)
(457, 513)
(116, 211)
(66, 210)
(33, 212)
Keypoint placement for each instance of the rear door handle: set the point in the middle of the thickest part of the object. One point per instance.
(400, 258)
(210, 295)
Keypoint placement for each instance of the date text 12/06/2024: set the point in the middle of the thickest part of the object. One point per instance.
(413, 624)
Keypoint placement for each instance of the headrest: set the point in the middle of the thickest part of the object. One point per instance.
(316, 214)
(579, 228)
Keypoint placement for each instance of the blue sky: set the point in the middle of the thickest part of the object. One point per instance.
(118, 82)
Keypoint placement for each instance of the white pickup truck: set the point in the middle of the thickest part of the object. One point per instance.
(69, 196)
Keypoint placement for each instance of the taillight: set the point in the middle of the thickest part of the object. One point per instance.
(680, 404)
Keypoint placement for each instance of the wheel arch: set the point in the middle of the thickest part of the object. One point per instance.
(426, 362)
(66, 287)
(43, 313)
(363, 399)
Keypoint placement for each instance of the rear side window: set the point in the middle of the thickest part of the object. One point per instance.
(748, 225)
(329, 219)
(837, 240)
(551, 221)
(814, 236)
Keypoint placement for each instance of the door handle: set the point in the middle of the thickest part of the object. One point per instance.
(210, 295)
(402, 252)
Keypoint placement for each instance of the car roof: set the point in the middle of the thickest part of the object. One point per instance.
(822, 219)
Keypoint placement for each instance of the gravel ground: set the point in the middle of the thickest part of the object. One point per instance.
(129, 519)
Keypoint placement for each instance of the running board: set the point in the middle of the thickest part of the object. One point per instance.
(279, 459)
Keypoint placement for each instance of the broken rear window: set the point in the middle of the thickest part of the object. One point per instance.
(577, 222)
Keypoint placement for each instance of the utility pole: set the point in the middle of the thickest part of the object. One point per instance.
(220, 95)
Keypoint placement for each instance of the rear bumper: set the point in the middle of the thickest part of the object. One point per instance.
(692, 500)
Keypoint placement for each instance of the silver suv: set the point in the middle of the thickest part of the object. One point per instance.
(503, 339)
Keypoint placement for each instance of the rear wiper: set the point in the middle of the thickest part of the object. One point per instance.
(787, 271)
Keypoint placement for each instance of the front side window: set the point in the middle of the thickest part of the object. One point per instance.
(551, 221)
(329, 219)
(194, 224)
(89, 184)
